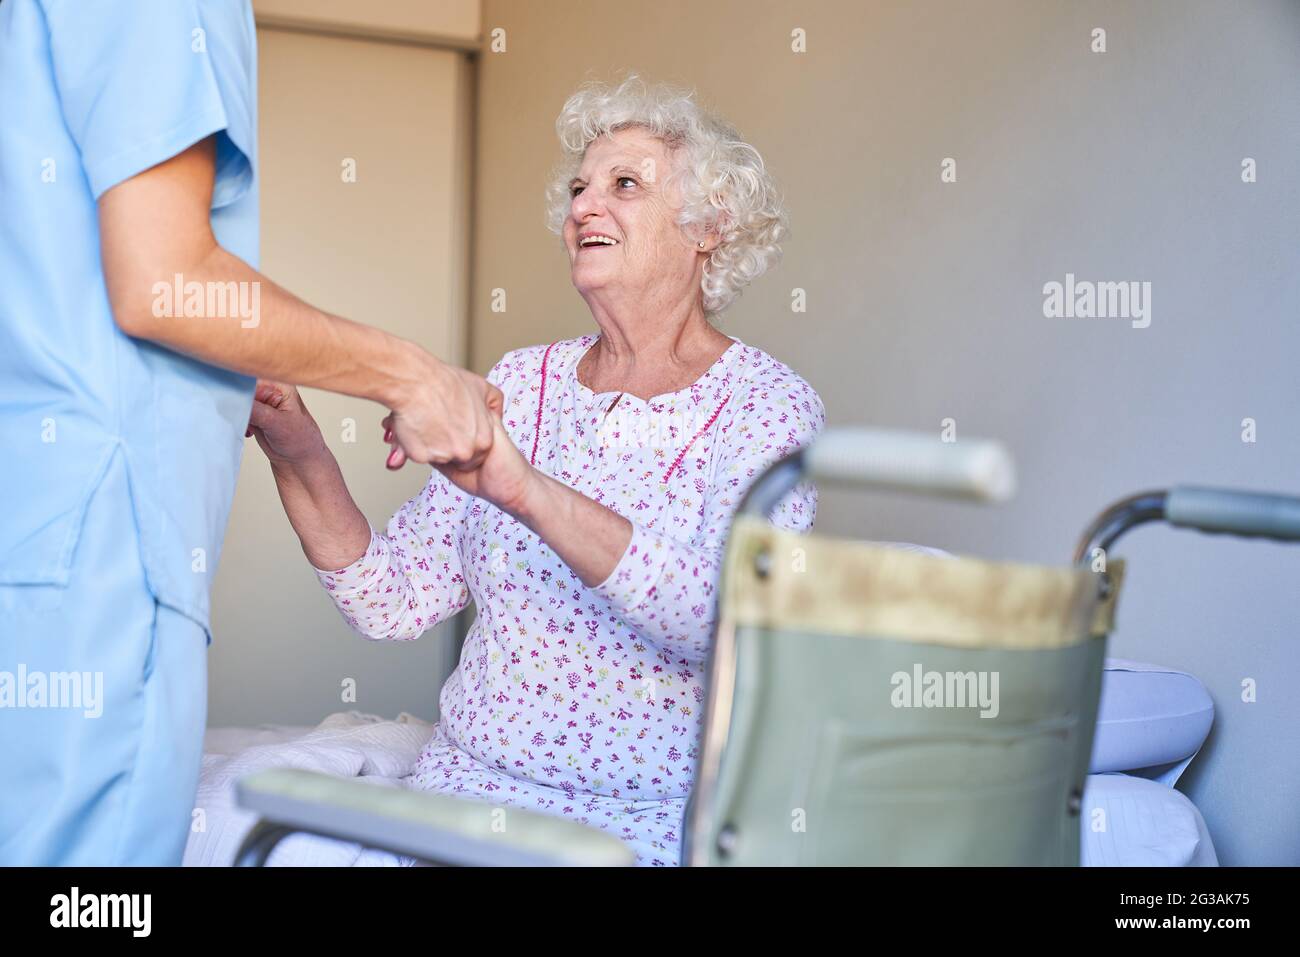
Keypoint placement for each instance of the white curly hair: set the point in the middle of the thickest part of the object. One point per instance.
(722, 181)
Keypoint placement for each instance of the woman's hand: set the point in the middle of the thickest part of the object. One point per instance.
(283, 427)
(331, 528)
(504, 477)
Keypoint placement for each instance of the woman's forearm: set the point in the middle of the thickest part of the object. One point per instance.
(333, 531)
(662, 588)
(587, 536)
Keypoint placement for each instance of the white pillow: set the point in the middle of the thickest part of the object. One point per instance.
(1131, 822)
(1151, 718)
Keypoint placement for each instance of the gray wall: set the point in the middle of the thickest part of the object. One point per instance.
(925, 299)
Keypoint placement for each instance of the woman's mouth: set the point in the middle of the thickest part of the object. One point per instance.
(596, 241)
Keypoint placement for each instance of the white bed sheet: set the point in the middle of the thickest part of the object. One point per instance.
(347, 744)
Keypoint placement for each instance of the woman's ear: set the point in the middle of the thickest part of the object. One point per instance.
(715, 233)
(704, 238)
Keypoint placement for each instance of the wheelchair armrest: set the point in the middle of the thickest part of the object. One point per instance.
(432, 827)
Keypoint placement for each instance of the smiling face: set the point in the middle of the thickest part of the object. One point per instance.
(621, 232)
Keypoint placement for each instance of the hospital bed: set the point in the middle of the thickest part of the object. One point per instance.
(806, 755)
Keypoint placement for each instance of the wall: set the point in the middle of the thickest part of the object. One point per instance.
(925, 299)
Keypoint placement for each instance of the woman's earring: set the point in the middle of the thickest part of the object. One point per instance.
(701, 243)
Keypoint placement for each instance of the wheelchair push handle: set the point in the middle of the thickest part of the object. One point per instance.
(891, 459)
(920, 462)
(1223, 511)
(1217, 511)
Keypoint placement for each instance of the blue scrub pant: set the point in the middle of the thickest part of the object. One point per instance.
(116, 789)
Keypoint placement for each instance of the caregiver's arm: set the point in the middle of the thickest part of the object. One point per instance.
(155, 227)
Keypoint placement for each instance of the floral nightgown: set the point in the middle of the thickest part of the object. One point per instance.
(586, 702)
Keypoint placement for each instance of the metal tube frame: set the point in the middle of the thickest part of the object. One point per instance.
(1103, 532)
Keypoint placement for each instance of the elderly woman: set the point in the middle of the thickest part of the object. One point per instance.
(591, 535)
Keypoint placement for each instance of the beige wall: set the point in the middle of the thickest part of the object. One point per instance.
(925, 299)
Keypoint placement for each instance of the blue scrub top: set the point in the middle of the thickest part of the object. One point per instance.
(93, 92)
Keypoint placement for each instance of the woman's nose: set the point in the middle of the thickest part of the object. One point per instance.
(585, 203)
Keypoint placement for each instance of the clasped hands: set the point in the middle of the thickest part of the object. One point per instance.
(451, 421)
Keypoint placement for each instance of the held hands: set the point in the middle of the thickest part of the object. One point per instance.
(455, 425)
(471, 447)
(445, 418)
(504, 477)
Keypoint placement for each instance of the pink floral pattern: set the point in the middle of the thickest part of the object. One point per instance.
(579, 701)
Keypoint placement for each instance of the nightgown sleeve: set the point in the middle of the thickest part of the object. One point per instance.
(410, 577)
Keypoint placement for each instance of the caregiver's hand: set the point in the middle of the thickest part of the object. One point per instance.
(446, 418)
(283, 427)
(502, 478)
(587, 536)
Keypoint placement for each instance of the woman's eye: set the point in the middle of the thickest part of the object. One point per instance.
(575, 190)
